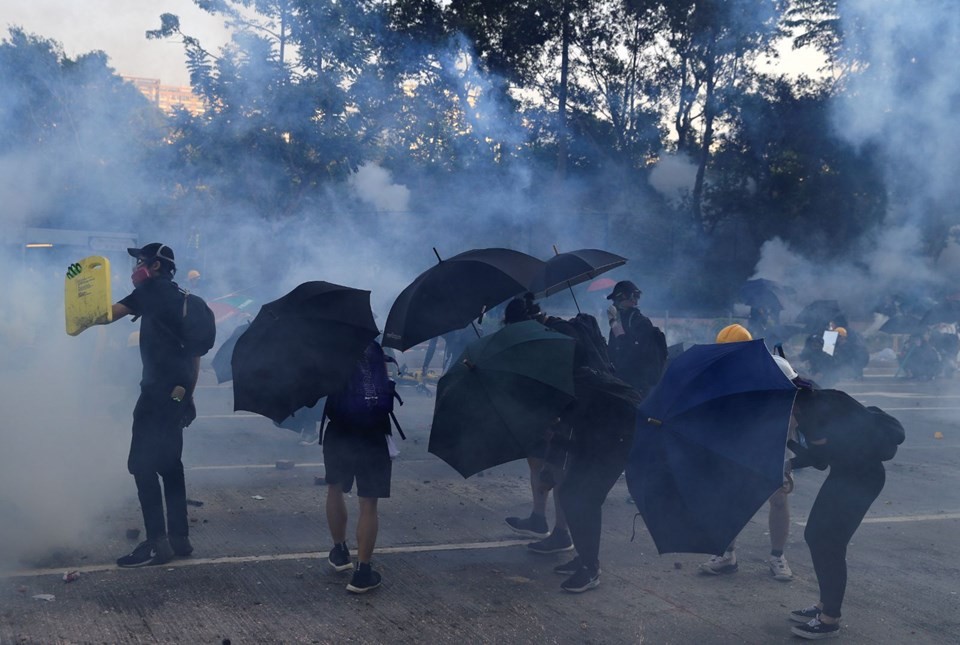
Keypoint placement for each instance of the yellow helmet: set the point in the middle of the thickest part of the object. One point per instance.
(733, 334)
(841, 331)
(133, 340)
(193, 274)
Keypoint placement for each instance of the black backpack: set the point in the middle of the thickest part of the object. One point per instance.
(591, 348)
(886, 433)
(198, 331)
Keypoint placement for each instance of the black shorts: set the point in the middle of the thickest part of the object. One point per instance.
(349, 455)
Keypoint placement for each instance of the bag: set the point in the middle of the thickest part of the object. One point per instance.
(365, 403)
(591, 348)
(640, 354)
(198, 331)
(887, 433)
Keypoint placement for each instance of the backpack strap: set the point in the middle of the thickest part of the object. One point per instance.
(397, 425)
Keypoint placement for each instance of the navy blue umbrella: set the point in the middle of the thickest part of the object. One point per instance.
(709, 445)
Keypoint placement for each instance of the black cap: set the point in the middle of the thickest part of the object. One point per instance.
(624, 287)
(154, 251)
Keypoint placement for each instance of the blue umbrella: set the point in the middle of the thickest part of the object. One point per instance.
(709, 444)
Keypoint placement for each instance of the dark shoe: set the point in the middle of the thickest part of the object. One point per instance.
(340, 558)
(181, 545)
(805, 615)
(816, 629)
(583, 580)
(534, 526)
(569, 568)
(148, 553)
(364, 579)
(558, 542)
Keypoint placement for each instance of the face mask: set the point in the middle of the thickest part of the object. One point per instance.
(140, 275)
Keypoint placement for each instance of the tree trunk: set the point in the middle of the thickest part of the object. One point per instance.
(562, 95)
(709, 113)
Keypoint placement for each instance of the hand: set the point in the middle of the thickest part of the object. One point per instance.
(613, 315)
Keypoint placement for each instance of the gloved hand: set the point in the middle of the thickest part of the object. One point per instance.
(613, 315)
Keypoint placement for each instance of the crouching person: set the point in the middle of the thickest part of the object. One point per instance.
(356, 447)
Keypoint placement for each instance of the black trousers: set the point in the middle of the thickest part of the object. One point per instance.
(156, 448)
(841, 504)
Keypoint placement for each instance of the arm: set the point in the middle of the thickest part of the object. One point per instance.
(118, 311)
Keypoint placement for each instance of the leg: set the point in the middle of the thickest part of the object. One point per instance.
(560, 523)
(779, 521)
(151, 504)
(175, 494)
(336, 513)
(539, 490)
(585, 488)
(367, 527)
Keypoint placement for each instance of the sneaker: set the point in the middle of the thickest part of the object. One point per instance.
(557, 542)
(339, 558)
(583, 580)
(569, 568)
(364, 579)
(534, 526)
(780, 569)
(816, 629)
(148, 553)
(180, 544)
(805, 615)
(726, 563)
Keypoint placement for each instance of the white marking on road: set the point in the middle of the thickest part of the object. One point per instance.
(275, 557)
(922, 407)
(905, 518)
(231, 416)
(248, 466)
(908, 395)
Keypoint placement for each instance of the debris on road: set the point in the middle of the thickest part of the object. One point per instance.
(194, 502)
(49, 597)
(257, 497)
(938, 435)
(285, 464)
(319, 480)
(70, 576)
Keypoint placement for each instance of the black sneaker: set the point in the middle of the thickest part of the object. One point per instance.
(340, 557)
(569, 568)
(534, 526)
(181, 545)
(364, 579)
(148, 553)
(805, 615)
(558, 542)
(816, 629)
(584, 579)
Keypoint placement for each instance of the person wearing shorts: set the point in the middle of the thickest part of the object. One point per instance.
(362, 456)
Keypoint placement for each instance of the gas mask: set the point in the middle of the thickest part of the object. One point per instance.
(141, 274)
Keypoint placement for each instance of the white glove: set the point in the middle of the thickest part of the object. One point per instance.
(613, 316)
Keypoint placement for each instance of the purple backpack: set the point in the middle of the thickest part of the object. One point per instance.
(366, 401)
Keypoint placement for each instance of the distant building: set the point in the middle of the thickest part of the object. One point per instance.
(168, 97)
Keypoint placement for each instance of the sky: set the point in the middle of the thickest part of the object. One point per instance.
(117, 27)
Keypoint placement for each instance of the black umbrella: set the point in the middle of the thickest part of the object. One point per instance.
(564, 270)
(762, 293)
(947, 311)
(455, 291)
(221, 360)
(300, 348)
(815, 316)
(901, 324)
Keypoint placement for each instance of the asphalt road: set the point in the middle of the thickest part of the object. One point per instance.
(453, 572)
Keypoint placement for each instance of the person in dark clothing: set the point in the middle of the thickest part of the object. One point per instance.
(638, 349)
(836, 434)
(601, 423)
(165, 406)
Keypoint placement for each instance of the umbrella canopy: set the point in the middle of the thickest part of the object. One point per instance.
(762, 293)
(501, 394)
(221, 360)
(572, 268)
(815, 316)
(901, 324)
(708, 449)
(602, 284)
(450, 294)
(947, 311)
(300, 348)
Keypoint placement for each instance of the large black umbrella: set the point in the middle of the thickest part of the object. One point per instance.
(947, 311)
(564, 270)
(450, 294)
(221, 360)
(761, 292)
(901, 324)
(501, 394)
(300, 348)
(815, 316)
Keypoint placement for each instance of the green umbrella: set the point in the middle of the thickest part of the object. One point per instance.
(501, 394)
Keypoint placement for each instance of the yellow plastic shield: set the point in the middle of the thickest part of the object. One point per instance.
(87, 296)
